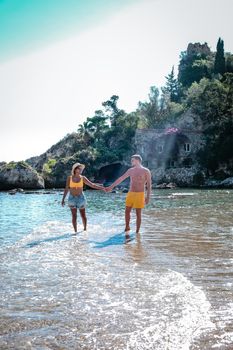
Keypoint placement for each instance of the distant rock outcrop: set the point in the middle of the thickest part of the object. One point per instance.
(65, 148)
(213, 183)
(195, 49)
(55, 164)
(19, 175)
(227, 182)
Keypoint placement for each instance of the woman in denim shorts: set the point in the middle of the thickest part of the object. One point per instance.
(76, 199)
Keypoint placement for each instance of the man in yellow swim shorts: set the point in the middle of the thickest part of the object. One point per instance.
(140, 178)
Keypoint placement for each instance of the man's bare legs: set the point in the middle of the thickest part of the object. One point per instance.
(139, 219)
(74, 218)
(84, 218)
(127, 218)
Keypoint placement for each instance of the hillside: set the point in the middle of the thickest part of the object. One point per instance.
(202, 88)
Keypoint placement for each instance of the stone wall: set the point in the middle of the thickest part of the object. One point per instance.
(169, 150)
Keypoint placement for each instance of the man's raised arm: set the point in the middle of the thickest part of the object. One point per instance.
(118, 181)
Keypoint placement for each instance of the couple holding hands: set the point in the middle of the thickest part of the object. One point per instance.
(140, 179)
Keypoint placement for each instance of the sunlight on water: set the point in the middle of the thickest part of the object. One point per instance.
(168, 288)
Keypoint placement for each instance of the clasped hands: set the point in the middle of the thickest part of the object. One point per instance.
(107, 189)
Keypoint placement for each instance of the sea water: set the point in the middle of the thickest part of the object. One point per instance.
(169, 287)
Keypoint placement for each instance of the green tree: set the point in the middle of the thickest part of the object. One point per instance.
(85, 132)
(212, 100)
(192, 94)
(173, 111)
(118, 138)
(195, 63)
(172, 88)
(219, 63)
(97, 125)
(228, 83)
(108, 134)
(229, 62)
(210, 104)
(113, 110)
(151, 111)
(195, 71)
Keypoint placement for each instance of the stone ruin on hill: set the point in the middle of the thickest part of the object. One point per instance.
(171, 153)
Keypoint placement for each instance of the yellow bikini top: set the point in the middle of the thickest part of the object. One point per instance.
(76, 184)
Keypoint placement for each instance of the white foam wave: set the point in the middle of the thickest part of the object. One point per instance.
(184, 315)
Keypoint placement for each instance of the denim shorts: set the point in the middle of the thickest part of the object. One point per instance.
(78, 202)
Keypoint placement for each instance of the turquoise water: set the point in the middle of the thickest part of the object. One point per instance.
(168, 288)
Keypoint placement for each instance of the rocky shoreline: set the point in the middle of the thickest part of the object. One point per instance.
(20, 177)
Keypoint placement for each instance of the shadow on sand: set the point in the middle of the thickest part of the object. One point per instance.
(118, 239)
(51, 239)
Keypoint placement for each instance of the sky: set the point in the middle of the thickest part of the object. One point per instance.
(60, 59)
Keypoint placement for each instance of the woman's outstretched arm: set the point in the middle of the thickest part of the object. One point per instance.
(92, 185)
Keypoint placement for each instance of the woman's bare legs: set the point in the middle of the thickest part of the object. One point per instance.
(84, 218)
(74, 218)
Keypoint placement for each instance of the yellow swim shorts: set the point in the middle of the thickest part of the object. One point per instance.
(135, 200)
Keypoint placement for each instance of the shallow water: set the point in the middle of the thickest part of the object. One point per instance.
(171, 287)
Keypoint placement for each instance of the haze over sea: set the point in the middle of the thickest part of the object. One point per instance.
(170, 287)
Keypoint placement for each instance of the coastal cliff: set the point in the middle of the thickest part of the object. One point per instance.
(19, 175)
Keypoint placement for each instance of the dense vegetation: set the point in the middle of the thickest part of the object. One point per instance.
(204, 83)
(108, 134)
